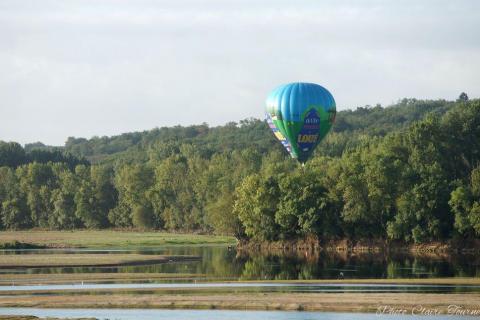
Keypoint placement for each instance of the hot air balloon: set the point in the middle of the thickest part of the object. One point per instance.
(300, 116)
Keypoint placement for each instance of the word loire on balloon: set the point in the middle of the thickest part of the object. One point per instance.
(307, 138)
(300, 116)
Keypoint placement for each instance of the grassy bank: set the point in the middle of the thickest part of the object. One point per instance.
(108, 239)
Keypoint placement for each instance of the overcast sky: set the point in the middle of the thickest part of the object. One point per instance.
(83, 68)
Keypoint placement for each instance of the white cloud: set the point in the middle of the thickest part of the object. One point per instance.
(86, 68)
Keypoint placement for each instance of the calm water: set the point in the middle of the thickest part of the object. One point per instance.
(250, 286)
(149, 314)
(222, 263)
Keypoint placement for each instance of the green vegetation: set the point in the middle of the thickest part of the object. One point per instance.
(108, 239)
(409, 172)
(12, 154)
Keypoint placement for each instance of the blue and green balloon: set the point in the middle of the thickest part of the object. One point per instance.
(300, 115)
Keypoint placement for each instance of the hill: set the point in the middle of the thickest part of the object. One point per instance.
(254, 133)
(407, 172)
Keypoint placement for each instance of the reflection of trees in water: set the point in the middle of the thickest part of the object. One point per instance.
(221, 263)
(332, 265)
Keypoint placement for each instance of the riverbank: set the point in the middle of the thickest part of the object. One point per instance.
(104, 239)
(362, 246)
(344, 302)
(35, 239)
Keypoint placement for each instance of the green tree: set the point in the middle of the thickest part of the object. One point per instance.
(463, 97)
(14, 214)
(38, 181)
(96, 195)
(11, 154)
(63, 214)
(173, 197)
(256, 204)
(304, 207)
(465, 204)
(132, 183)
(143, 218)
(9, 188)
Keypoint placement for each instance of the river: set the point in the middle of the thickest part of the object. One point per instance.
(220, 263)
(150, 314)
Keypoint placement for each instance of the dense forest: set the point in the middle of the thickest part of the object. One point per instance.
(408, 172)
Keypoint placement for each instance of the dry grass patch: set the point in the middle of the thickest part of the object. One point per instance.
(84, 260)
(348, 302)
(59, 278)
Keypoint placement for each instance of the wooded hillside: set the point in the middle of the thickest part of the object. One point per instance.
(409, 172)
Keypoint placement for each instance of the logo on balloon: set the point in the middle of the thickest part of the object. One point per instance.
(308, 136)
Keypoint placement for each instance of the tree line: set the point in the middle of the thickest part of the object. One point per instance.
(409, 172)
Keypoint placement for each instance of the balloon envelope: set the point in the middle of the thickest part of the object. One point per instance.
(300, 116)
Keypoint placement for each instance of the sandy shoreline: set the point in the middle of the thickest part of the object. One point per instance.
(86, 260)
(345, 302)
